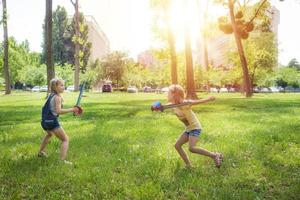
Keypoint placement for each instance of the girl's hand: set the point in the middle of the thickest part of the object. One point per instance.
(75, 110)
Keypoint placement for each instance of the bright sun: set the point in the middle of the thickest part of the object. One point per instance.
(189, 15)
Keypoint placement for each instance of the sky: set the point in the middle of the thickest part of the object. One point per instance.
(127, 23)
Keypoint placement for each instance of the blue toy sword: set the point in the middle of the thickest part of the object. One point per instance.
(79, 99)
(80, 94)
(157, 106)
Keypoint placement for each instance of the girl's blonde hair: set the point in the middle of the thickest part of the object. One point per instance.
(177, 93)
(53, 84)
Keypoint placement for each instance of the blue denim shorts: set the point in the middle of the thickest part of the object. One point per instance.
(51, 124)
(195, 132)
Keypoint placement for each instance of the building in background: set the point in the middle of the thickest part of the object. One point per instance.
(146, 58)
(100, 42)
(274, 15)
(217, 48)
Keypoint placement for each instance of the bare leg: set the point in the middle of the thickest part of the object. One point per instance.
(192, 148)
(60, 133)
(178, 146)
(45, 141)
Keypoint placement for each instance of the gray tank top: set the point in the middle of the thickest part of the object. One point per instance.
(52, 106)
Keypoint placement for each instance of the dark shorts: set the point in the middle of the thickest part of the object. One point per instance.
(51, 124)
(195, 132)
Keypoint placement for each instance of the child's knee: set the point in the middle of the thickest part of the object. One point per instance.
(65, 138)
(177, 146)
(192, 149)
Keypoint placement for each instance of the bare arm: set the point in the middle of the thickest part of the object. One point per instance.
(195, 102)
(58, 108)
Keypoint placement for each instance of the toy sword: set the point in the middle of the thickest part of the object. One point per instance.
(157, 106)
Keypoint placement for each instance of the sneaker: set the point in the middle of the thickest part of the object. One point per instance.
(42, 154)
(218, 160)
(67, 162)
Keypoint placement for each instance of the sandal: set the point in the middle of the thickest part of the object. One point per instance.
(42, 154)
(218, 160)
(67, 162)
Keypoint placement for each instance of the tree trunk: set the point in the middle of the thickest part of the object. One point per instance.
(77, 46)
(205, 36)
(5, 57)
(48, 42)
(190, 83)
(171, 42)
(173, 58)
(206, 61)
(247, 83)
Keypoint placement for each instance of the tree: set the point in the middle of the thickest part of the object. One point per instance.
(33, 75)
(294, 64)
(205, 38)
(171, 41)
(60, 26)
(241, 29)
(48, 42)
(164, 7)
(64, 38)
(19, 57)
(190, 83)
(136, 74)
(65, 72)
(84, 45)
(113, 65)
(261, 50)
(237, 36)
(287, 76)
(5, 57)
(76, 40)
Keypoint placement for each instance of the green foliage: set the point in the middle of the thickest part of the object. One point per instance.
(19, 57)
(294, 64)
(60, 27)
(93, 74)
(64, 40)
(65, 72)
(261, 52)
(36, 74)
(132, 75)
(288, 76)
(113, 65)
(282, 83)
(283, 77)
(2, 83)
(33, 75)
(85, 46)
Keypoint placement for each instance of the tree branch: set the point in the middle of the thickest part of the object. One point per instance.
(257, 11)
(73, 2)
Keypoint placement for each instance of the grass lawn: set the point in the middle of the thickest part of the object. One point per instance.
(122, 150)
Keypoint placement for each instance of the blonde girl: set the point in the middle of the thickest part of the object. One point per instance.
(193, 127)
(50, 123)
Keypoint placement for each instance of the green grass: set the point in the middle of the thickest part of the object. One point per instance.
(122, 150)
